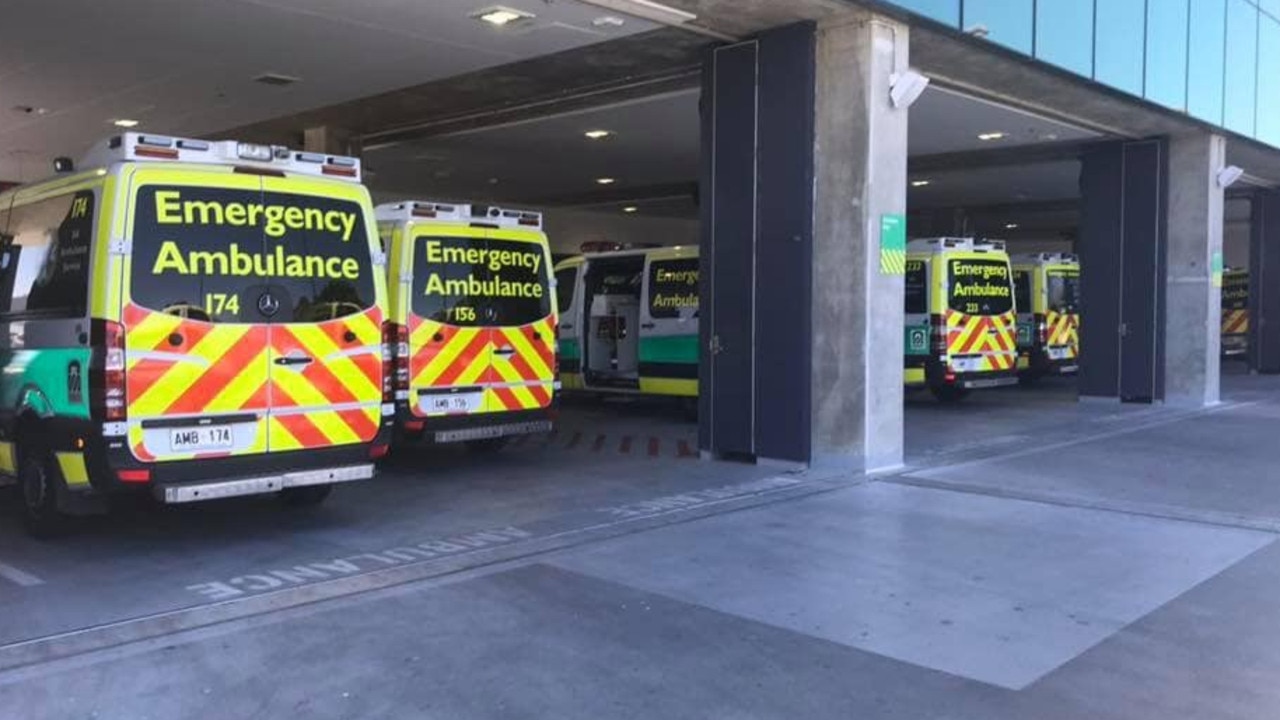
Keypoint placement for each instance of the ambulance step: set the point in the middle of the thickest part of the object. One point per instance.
(196, 492)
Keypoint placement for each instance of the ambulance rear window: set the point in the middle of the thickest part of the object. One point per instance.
(917, 288)
(673, 288)
(1022, 291)
(234, 255)
(980, 286)
(1064, 290)
(478, 281)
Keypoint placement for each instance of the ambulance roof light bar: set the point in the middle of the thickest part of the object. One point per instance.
(138, 147)
(941, 243)
(1046, 257)
(459, 212)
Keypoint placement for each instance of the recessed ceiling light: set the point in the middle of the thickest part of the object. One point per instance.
(597, 134)
(605, 181)
(630, 209)
(1011, 226)
(920, 183)
(991, 136)
(125, 123)
(608, 21)
(500, 16)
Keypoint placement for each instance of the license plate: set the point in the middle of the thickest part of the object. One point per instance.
(201, 439)
(966, 365)
(997, 382)
(1059, 353)
(451, 403)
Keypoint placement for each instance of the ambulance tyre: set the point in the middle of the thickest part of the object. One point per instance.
(38, 486)
(487, 445)
(949, 393)
(305, 496)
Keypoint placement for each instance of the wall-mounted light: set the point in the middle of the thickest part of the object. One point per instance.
(1228, 176)
(906, 87)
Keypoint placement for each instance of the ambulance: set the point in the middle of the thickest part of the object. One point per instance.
(1047, 293)
(961, 321)
(193, 319)
(1235, 312)
(629, 322)
(474, 322)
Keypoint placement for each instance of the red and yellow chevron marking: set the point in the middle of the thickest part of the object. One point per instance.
(1235, 322)
(994, 338)
(1064, 331)
(215, 369)
(451, 356)
(337, 398)
(224, 369)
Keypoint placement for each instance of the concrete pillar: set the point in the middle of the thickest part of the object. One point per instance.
(328, 139)
(1193, 317)
(860, 155)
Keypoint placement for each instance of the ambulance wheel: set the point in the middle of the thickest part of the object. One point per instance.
(38, 485)
(305, 496)
(949, 393)
(487, 445)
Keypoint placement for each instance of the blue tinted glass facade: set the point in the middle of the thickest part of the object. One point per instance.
(1217, 60)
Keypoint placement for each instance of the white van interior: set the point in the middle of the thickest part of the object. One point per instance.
(611, 348)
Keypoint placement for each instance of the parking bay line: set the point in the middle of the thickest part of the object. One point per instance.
(18, 577)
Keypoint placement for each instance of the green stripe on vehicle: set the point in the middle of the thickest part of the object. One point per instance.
(669, 349)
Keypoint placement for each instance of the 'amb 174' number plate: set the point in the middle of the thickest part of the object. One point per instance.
(201, 439)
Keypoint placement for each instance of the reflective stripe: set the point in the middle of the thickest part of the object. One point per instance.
(73, 469)
(7, 463)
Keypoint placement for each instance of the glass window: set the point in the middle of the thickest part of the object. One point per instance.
(1022, 291)
(673, 288)
(212, 254)
(980, 287)
(1008, 22)
(1120, 28)
(1271, 7)
(1064, 34)
(1268, 80)
(1242, 67)
(566, 283)
(917, 288)
(44, 266)
(477, 282)
(1205, 55)
(944, 11)
(1166, 78)
(1063, 289)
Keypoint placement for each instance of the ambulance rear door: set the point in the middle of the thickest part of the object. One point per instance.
(324, 305)
(980, 318)
(668, 349)
(522, 314)
(196, 355)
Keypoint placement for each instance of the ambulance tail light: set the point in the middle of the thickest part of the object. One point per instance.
(395, 360)
(107, 379)
(134, 476)
(938, 335)
(1042, 330)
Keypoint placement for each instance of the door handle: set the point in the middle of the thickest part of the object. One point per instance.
(295, 360)
(504, 351)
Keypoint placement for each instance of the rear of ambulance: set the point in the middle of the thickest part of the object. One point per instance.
(238, 325)
(977, 331)
(476, 359)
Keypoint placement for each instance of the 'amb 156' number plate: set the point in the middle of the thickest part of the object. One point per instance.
(201, 439)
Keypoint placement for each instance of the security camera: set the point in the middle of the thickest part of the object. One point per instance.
(906, 87)
(1228, 176)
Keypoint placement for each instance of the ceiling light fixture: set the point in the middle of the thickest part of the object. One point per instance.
(608, 21)
(986, 137)
(125, 123)
(1011, 226)
(630, 209)
(501, 16)
(920, 183)
(605, 181)
(597, 134)
(646, 10)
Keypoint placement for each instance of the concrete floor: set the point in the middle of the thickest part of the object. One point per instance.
(1037, 558)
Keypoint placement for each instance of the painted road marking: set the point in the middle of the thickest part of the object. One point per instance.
(19, 577)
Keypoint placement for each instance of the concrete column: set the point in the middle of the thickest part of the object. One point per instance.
(860, 157)
(1193, 319)
(328, 139)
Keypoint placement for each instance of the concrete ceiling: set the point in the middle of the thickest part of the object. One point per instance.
(188, 68)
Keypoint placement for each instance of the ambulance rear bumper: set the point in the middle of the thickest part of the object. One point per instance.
(217, 489)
